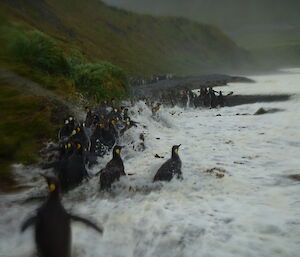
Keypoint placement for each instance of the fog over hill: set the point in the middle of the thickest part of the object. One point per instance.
(262, 26)
(230, 15)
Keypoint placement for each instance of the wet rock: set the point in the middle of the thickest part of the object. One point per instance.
(260, 111)
(264, 111)
(294, 177)
(158, 156)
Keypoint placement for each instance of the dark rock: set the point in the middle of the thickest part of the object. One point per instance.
(263, 111)
(294, 177)
(260, 111)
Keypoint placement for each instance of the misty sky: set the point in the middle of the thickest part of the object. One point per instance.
(227, 14)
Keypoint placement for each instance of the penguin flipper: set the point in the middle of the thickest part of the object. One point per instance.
(86, 222)
(29, 222)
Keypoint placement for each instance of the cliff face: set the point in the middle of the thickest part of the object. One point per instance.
(140, 44)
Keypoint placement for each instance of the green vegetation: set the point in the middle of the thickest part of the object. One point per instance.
(40, 57)
(100, 80)
(39, 51)
(25, 123)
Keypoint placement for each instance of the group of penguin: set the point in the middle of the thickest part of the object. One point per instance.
(204, 98)
(52, 223)
(81, 144)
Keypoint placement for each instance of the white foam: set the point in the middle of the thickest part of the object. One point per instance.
(253, 211)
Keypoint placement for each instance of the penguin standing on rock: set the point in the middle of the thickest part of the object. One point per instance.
(52, 224)
(113, 171)
(170, 168)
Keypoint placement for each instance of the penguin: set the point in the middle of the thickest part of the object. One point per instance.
(128, 124)
(88, 118)
(97, 146)
(107, 139)
(66, 130)
(206, 98)
(113, 170)
(170, 168)
(221, 99)
(52, 224)
(80, 134)
(71, 171)
(125, 114)
(192, 97)
(184, 99)
(213, 98)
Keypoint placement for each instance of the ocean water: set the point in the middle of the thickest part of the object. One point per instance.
(253, 210)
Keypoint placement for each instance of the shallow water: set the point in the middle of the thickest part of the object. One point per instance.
(254, 210)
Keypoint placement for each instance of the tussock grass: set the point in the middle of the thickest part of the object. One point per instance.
(24, 125)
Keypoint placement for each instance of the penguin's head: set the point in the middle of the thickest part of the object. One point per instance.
(67, 121)
(101, 125)
(117, 149)
(53, 182)
(78, 146)
(175, 148)
(128, 122)
(87, 109)
(68, 146)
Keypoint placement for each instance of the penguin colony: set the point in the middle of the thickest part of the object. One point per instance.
(79, 146)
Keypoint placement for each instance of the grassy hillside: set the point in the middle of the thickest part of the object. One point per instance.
(139, 44)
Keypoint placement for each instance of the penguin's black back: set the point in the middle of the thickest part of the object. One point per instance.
(72, 171)
(170, 168)
(52, 230)
(112, 171)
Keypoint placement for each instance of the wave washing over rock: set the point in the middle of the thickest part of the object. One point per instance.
(253, 210)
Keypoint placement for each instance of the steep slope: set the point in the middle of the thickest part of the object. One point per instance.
(140, 44)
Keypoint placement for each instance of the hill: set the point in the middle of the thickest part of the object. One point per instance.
(260, 26)
(140, 44)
